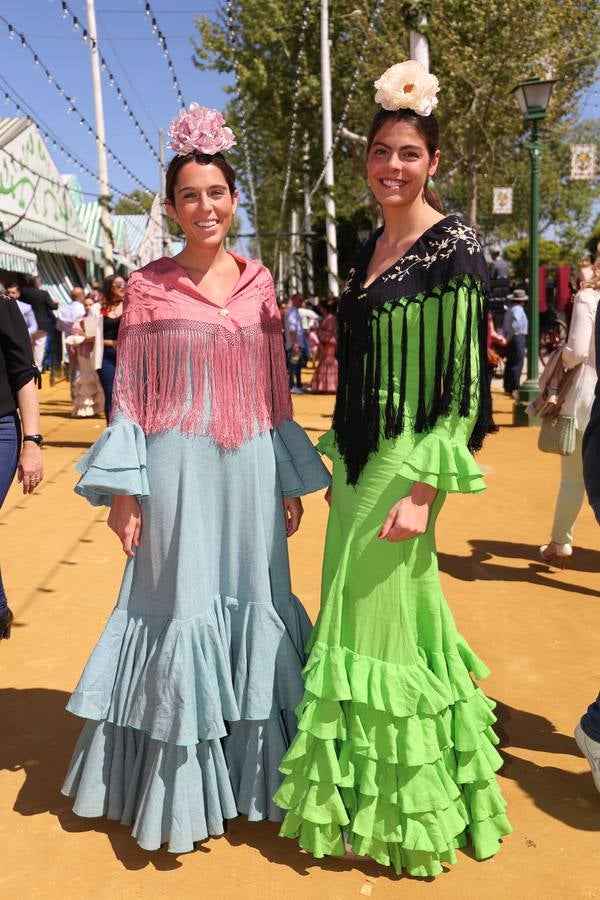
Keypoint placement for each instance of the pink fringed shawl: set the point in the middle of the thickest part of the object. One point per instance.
(185, 362)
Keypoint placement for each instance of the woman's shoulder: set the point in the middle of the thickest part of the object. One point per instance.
(590, 296)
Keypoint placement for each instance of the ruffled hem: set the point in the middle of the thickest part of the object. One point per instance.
(443, 464)
(401, 758)
(115, 464)
(177, 795)
(181, 680)
(298, 465)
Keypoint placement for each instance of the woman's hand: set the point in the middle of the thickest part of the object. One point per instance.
(409, 517)
(328, 495)
(125, 519)
(31, 467)
(294, 511)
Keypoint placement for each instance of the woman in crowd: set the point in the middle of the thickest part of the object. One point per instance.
(20, 440)
(113, 293)
(190, 692)
(86, 340)
(395, 755)
(579, 351)
(325, 379)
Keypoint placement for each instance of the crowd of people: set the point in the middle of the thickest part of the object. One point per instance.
(209, 694)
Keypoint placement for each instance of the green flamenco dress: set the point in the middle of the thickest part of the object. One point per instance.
(396, 754)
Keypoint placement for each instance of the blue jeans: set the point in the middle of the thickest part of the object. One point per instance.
(107, 378)
(10, 446)
(590, 722)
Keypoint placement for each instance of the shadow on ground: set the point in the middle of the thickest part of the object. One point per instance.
(567, 796)
(42, 735)
(483, 565)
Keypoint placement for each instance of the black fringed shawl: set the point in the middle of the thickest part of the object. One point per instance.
(444, 266)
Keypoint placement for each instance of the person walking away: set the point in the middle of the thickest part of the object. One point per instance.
(113, 294)
(395, 755)
(295, 343)
(190, 691)
(494, 340)
(66, 316)
(325, 379)
(587, 732)
(86, 341)
(20, 440)
(43, 307)
(578, 351)
(514, 328)
(14, 292)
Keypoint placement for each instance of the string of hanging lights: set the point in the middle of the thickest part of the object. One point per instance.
(72, 106)
(165, 49)
(78, 27)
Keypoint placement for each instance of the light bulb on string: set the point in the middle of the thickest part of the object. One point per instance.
(65, 11)
(23, 42)
(75, 23)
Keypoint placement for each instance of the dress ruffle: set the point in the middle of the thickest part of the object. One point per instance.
(298, 465)
(187, 720)
(115, 464)
(400, 757)
(444, 464)
(172, 794)
(182, 681)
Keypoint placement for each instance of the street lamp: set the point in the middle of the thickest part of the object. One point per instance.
(533, 97)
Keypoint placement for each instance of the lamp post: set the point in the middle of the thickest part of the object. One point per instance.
(532, 96)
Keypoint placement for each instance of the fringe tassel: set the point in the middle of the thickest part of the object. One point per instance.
(449, 373)
(203, 380)
(436, 400)
(465, 399)
(403, 371)
(484, 419)
(391, 411)
(421, 419)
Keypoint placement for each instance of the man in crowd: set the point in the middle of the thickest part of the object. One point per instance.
(14, 293)
(295, 343)
(499, 267)
(66, 316)
(43, 308)
(514, 328)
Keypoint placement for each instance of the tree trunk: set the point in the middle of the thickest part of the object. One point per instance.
(472, 193)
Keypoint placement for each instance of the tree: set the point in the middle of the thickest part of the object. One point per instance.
(517, 254)
(480, 49)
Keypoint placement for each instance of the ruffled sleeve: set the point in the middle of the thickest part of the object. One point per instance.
(441, 457)
(299, 466)
(443, 463)
(115, 464)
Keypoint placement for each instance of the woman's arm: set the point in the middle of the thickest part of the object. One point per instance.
(31, 467)
(577, 348)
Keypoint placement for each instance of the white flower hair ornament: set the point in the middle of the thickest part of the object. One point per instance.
(202, 129)
(407, 86)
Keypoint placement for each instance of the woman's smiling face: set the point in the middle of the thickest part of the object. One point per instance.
(204, 205)
(398, 164)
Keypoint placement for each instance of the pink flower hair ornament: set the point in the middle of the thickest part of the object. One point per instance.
(202, 129)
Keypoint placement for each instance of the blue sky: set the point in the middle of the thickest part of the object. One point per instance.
(133, 54)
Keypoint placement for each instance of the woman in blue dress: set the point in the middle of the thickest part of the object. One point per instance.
(190, 691)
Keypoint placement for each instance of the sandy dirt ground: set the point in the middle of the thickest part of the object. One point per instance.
(535, 626)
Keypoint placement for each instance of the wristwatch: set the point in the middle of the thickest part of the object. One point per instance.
(36, 438)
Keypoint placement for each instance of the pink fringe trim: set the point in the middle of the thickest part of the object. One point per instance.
(203, 379)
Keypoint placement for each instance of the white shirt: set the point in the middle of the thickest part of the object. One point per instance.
(580, 349)
(308, 317)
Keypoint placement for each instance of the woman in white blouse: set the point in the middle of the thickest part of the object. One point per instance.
(578, 403)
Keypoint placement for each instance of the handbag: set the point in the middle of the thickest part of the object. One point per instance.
(557, 435)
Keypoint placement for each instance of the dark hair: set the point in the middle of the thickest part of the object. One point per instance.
(13, 284)
(107, 286)
(203, 159)
(428, 128)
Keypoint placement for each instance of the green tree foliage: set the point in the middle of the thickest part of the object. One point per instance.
(551, 255)
(479, 49)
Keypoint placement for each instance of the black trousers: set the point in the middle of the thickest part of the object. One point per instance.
(515, 357)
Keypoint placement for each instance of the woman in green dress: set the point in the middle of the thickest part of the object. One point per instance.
(395, 758)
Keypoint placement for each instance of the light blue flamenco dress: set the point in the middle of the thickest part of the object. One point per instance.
(189, 693)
